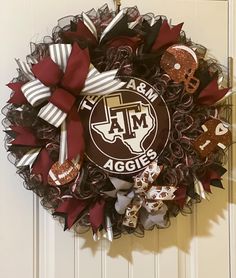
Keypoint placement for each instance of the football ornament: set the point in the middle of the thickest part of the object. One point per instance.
(114, 122)
(180, 63)
(64, 173)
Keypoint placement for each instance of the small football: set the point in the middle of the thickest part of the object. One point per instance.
(63, 173)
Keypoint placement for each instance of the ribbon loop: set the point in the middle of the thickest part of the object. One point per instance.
(48, 72)
(52, 114)
(36, 92)
(60, 53)
(77, 69)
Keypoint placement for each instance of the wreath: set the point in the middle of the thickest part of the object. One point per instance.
(118, 122)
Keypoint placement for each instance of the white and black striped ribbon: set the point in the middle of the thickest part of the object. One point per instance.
(89, 24)
(52, 114)
(36, 92)
(29, 158)
(60, 53)
(92, 72)
(102, 83)
(114, 21)
(25, 69)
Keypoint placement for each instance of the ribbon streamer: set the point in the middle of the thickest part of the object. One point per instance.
(211, 94)
(166, 36)
(38, 158)
(29, 158)
(17, 97)
(113, 23)
(71, 209)
(89, 24)
(199, 189)
(101, 83)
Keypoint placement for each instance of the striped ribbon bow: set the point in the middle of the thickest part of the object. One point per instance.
(59, 79)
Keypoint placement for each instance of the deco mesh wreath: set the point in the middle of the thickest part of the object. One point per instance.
(117, 122)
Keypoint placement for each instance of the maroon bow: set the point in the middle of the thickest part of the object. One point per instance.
(72, 209)
(69, 83)
(42, 165)
(65, 88)
(167, 36)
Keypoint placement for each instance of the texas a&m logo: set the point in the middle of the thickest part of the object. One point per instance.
(126, 129)
(130, 122)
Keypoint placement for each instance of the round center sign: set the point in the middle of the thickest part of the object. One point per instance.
(127, 129)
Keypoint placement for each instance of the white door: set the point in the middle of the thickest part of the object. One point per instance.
(33, 245)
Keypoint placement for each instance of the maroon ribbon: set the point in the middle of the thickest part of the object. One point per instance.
(17, 96)
(75, 136)
(24, 136)
(42, 165)
(66, 86)
(72, 81)
(211, 93)
(96, 215)
(213, 174)
(166, 36)
(72, 209)
(43, 162)
(180, 196)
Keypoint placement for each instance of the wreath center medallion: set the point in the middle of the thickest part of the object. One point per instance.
(127, 129)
